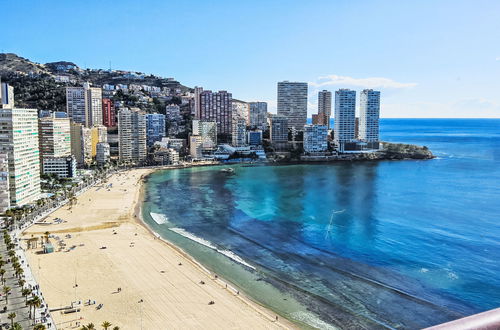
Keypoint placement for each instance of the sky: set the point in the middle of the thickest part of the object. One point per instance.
(428, 58)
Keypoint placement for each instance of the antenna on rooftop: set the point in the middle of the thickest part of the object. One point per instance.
(109, 65)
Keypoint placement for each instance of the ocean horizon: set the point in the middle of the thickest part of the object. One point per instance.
(373, 244)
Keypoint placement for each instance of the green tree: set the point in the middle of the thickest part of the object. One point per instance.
(26, 292)
(6, 291)
(2, 274)
(17, 326)
(11, 317)
(105, 325)
(39, 327)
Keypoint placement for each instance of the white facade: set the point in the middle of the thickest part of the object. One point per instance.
(369, 112)
(241, 110)
(195, 146)
(173, 112)
(19, 140)
(315, 138)
(239, 132)
(132, 135)
(207, 130)
(93, 106)
(84, 104)
(6, 96)
(292, 103)
(345, 116)
(54, 136)
(4, 183)
(75, 104)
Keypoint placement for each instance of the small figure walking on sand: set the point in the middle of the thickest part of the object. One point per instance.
(276, 318)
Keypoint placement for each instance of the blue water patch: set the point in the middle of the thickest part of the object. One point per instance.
(372, 240)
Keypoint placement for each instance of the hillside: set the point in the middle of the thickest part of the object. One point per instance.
(42, 86)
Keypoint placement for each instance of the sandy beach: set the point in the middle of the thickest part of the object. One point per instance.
(160, 286)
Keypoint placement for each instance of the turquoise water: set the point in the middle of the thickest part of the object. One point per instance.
(390, 244)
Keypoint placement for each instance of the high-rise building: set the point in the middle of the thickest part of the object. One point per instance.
(197, 102)
(103, 153)
(369, 111)
(325, 106)
(81, 143)
(173, 113)
(132, 145)
(155, 128)
(241, 110)
(315, 138)
(108, 113)
(19, 140)
(84, 105)
(258, 115)
(195, 146)
(98, 134)
(4, 183)
(239, 132)
(292, 103)
(217, 107)
(54, 136)
(278, 129)
(345, 112)
(207, 130)
(6, 96)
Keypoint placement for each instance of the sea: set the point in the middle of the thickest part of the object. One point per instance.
(350, 245)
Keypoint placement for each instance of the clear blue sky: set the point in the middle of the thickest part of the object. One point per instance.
(429, 58)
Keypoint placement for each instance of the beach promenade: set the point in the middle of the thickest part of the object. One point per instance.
(105, 256)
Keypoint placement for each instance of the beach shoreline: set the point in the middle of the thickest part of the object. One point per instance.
(230, 310)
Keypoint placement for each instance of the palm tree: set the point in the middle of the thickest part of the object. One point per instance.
(11, 253)
(47, 236)
(39, 327)
(89, 326)
(26, 292)
(11, 317)
(35, 302)
(105, 325)
(17, 326)
(6, 291)
(116, 327)
(2, 273)
(21, 282)
(19, 271)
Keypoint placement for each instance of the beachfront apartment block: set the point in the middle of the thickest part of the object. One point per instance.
(345, 114)
(19, 140)
(4, 183)
(132, 146)
(258, 115)
(239, 132)
(155, 128)
(315, 138)
(292, 103)
(103, 153)
(196, 146)
(54, 136)
(369, 113)
(325, 107)
(241, 110)
(278, 129)
(84, 105)
(207, 130)
(81, 143)
(63, 167)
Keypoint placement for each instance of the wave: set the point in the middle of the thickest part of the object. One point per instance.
(159, 218)
(228, 253)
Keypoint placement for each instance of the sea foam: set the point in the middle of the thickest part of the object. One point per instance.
(231, 255)
(159, 218)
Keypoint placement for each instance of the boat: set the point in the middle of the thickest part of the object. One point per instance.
(227, 170)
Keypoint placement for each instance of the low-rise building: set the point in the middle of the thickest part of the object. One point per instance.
(64, 167)
(315, 138)
(254, 138)
(103, 153)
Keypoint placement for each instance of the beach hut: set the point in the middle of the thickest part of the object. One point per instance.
(48, 248)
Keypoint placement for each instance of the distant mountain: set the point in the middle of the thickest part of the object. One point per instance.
(42, 86)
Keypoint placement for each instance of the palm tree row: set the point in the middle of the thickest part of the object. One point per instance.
(105, 325)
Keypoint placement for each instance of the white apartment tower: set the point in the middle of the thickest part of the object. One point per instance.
(239, 132)
(345, 116)
(315, 138)
(84, 104)
(6, 96)
(19, 140)
(54, 136)
(369, 112)
(292, 103)
(325, 105)
(207, 131)
(258, 115)
(4, 183)
(132, 135)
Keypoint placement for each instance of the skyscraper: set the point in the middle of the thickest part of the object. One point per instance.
(84, 105)
(108, 113)
(132, 145)
(81, 143)
(345, 112)
(207, 131)
(155, 128)
(258, 115)
(4, 183)
(54, 136)
(217, 107)
(325, 105)
(278, 129)
(240, 110)
(239, 132)
(369, 112)
(197, 102)
(292, 103)
(19, 140)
